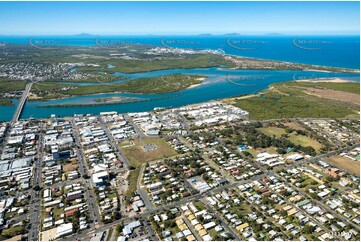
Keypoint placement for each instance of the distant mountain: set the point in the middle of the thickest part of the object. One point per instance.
(84, 35)
(205, 34)
(232, 34)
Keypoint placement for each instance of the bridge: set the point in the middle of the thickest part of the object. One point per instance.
(22, 102)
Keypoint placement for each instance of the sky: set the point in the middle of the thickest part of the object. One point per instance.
(137, 18)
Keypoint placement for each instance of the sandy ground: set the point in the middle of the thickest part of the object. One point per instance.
(334, 80)
(15, 238)
(194, 85)
(112, 99)
(272, 88)
(232, 100)
(334, 94)
(345, 163)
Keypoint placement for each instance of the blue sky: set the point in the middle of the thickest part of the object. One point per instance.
(179, 17)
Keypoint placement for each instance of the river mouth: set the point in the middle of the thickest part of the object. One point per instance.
(219, 83)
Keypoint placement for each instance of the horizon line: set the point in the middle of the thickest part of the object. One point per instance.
(188, 34)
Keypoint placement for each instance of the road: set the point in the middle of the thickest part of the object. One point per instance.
(89, 194)
(142, 191)
(135, 127)
(115, 146)
(224, 224)
(21, 104)
(317, 202)
(85, 235)
(211, 163)
(34, 213)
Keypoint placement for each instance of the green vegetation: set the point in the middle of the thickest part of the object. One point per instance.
(97, 78)
(287, 101)
(199, 205)
(294, 137)
(133, 180)
(110, 232)
(12, 231)
(47, 86)
(305, 141)
(270, 131)
(6, 102)
(48, 90)
(166, 84)
(351, 87)
(11, 85)
(257, 139)
(143, 65)
(136, 155)
(158, 85)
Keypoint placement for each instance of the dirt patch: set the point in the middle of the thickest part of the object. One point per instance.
(345, 163)
(273, 89)
(334, 80)
(69, 167)
(136, 154)
(15, 238)
(333, 94)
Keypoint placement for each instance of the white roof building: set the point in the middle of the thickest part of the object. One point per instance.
(64, 229)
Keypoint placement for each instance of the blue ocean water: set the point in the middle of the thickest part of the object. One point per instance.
(335, 51)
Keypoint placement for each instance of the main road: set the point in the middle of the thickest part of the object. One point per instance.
(21, 104)
(89, 194)
(34, 214)
(87, 234)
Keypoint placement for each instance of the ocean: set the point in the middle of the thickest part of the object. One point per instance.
(335, 51)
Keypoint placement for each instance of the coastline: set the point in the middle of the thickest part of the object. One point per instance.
(326, 80)
(307, 67)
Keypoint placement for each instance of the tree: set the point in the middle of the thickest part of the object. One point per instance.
(288, 130)
(308, 229)
(246, 153)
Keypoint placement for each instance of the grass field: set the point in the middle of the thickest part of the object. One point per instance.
(11, 85)
(270, 131)
(133, 180)
(271, 150)
(253, 152)
(137, 155)
(288, 100)
(345, 163)
(305, 141)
